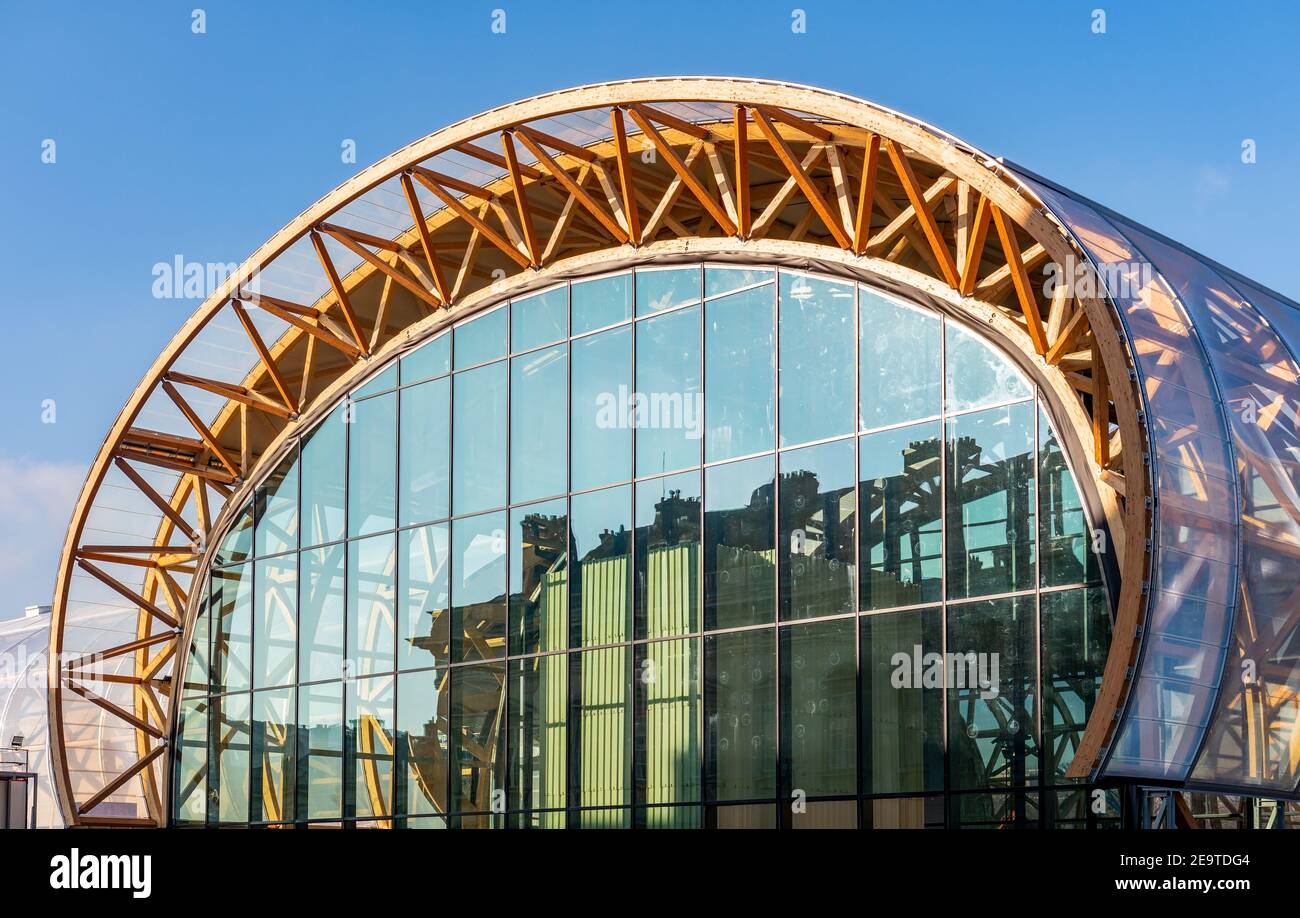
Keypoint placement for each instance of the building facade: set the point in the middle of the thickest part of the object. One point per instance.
(696, 453)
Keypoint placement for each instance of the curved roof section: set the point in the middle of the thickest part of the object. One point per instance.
(1214, 702)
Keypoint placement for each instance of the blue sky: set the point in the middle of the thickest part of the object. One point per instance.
(170, 143)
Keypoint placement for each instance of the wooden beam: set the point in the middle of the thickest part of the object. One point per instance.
(1077, 325)
(671, 121)
(450, 181)
(156, 499)
(556, 143)
(804, 126)
(683, 172)
(120, 650)
(783, 194)
(315, 331)
(236, 393)
(521, 198)
(626, 186)
(379, 264)
(975, 250)
(744, 218)
(586, 200)
(1020, 277)
(472, 219)
(116, 711)
(903, 168)
(117, 586)
(339, 293)
(804, 181)
(897, 227)
(111, 787)
(866, 194)
(265, 356)
(422, 229)
(202, 429)
(722, 179)
(1100, 410)
(496, 159)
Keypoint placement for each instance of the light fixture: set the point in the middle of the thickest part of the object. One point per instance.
(16, 742)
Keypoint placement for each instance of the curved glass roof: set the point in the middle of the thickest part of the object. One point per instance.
(1214, 697)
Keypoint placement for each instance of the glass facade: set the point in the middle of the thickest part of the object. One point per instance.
(700, 546)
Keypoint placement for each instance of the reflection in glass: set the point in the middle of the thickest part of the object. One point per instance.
(658, 289)
(668, 555)
(817, 372)
(539, 319)
(370, 604)
(819, 708)
(600, 539)
(719, 279)
(738, 354)
(238, 543)
(324, 479)
(477, 735)
(1075, 638)
(977, 374)
(539, 398)
(600, 412)
(1063, 538)
(902, 702)
(232, 603)
(230, 750)
(320, 609)
(539, 697)
(739, 549)
(990, 501)
(600, 734)
(433, 358)
(817, 537)
(425, 451)
(601, 302)
(190, 789)
(423, 706)
(372, 449)
(479, 447)
(668, 400)
(274, 774)
(424, 632)
(320, 744)
(370, 738)
(900, 495)
(900, 361)
(668, 731)
(539, 556)
(478, 587)
(382, 381)
(481, 339)
(740, 715)
(276, 508)
(275, 621)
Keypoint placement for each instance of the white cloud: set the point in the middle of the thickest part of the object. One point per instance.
(36, 501)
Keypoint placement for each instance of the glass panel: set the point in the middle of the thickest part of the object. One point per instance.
(819, 687)
(425, 449)
(275, 643)
(817, 537)
(902, 701)
(600, 733)
(479, 446)
(238, 542)
(277, 508)
(738, 361)
(601, 415)
(320, 739)
(481, 339)
(739, 549)
(977, 374)
(198, 674)
(423, 705)
(742, 816)
(600, 526)
(900, 497)
(539, 319)
(668, 726)
(230, 752)
(668, 400)
(817, 372)
(477, 727)
(720, 280)
(372, 465)
(991, 676)
(1064, 538)
(907, 813)
(233, 605)
(191, 781)
(539, 555)
(370, 604)
(324, 473)
(826, 814)
(740, 715)
(1075, 638)
(900, 361)
(539, 697)
(381, 382)
(478, 587)
(320, 609)
(433, 358)
(990, 486)
(424, 633)
(601, 302)
(668, 555)
(370, 737)
(658, 289)
(539, 400)
(274, 766)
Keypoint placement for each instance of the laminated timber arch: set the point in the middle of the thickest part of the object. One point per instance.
(553, 186)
